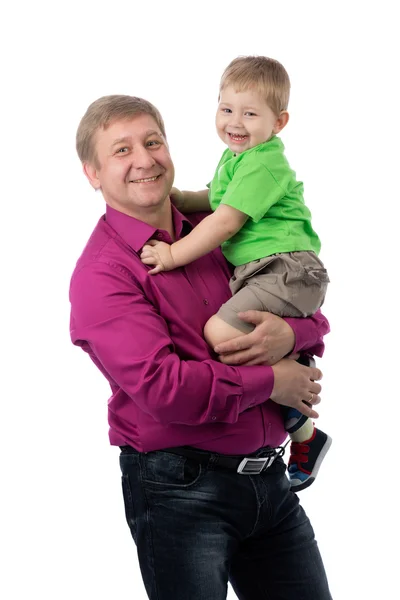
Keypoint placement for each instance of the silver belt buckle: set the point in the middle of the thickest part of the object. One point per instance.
(254, 466)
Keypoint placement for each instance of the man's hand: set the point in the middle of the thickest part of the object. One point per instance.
(271, 340)
(295, 385)
(158, 254)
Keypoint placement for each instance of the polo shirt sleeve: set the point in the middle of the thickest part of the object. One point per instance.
(253, 189)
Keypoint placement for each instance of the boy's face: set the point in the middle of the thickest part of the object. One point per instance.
(244, 120)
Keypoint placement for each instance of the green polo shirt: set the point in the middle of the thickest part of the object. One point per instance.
(260, 183)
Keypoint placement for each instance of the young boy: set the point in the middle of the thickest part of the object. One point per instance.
(263, 226)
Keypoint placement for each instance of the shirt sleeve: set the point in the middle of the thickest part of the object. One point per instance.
(309, 333)
(253, 190)
(112, 320)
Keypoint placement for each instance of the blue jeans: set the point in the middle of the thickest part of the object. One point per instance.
(197, 527)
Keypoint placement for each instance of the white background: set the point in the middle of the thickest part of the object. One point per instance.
(63, 533)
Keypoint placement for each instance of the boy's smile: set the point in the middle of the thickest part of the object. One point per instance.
(244, 119)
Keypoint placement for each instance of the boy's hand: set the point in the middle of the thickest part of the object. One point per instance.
(158, 254)
(177, 198)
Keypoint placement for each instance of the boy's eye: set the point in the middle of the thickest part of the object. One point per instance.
(250, 114)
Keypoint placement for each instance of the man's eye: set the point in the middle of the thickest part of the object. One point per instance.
(226, 110)
(153, 143)
(122, 150)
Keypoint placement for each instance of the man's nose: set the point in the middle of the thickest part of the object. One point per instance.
(142, 158)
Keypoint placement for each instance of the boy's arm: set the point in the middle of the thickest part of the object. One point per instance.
(210, 233)
(206, 236)
(190, 202)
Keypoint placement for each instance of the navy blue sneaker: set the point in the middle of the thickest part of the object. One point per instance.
(306, 458)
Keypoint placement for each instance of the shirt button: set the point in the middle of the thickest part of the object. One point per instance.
(159, 235)
(205, 301)
(213, 418)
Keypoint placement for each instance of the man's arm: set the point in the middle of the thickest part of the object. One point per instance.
(130, 343)
(126, 337)
(309, 333)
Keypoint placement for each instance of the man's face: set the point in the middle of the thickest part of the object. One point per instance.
(243, 119)
(134, 171)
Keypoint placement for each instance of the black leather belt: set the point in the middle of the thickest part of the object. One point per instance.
(245, 465)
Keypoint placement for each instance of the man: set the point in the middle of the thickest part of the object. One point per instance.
(206, 495)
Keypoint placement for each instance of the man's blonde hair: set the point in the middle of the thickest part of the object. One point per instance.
(265, 75)
(102, 113)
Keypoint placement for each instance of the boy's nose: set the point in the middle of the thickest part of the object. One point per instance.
(236, 121)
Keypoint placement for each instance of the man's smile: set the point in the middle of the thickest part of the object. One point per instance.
(145, 179)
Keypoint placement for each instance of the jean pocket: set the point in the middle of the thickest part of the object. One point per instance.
(170, 470)
(129, 504)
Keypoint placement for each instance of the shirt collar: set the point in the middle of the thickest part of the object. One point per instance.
(273, 143)
(136, 233)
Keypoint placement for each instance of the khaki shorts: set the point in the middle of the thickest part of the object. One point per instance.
(292, 284)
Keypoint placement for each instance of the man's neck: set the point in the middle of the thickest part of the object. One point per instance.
(161, 218)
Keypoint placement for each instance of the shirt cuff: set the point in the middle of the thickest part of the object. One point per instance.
(305, 333)
(258, 383)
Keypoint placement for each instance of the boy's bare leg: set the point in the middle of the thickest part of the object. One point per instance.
(217, 331)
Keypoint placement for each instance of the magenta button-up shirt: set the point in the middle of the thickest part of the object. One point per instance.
(144, 333)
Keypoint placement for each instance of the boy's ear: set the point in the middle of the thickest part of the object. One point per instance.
(281, 121)
(91, 173)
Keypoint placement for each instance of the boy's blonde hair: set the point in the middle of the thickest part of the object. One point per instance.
(265, 75)
(104, 111)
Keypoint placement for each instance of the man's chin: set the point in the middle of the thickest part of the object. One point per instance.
(151, 201)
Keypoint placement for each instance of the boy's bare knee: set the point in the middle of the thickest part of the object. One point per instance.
(217, 331)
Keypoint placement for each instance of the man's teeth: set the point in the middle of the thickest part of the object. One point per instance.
(144, 180)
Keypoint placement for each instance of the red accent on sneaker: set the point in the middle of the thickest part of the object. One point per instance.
(299, 453)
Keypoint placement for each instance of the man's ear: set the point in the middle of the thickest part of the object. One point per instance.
(91, 173)
(281, 122)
